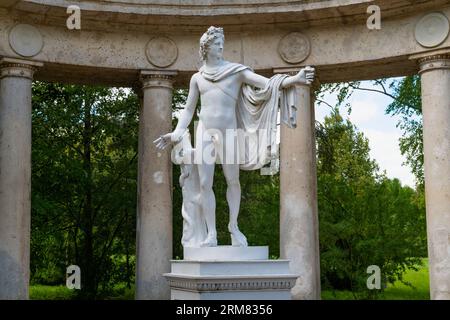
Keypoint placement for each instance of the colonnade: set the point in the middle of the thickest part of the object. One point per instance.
(299, 239)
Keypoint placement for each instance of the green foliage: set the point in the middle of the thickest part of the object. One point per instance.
(397, 290)
(259, 211)
(415, 285)
(120, 291)
(43, 292)
(83, 184)
(365, 218)
(408, 105)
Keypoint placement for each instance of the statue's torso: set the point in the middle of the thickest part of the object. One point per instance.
(218, 101)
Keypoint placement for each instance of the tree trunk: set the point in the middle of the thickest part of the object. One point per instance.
(88, 269)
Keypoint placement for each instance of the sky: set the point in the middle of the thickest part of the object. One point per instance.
(368, 114)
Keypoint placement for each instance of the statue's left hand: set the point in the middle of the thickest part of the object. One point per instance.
(163, 141)
(306, 75)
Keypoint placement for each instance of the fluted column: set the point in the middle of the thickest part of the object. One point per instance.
(435, 80)
(154, 211)
(299, 232)
(15, 176)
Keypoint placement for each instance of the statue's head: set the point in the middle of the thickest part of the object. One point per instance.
(211, 44)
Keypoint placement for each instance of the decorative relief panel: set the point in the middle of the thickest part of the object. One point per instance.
(161, 52)
(432, 30)
(294, 47)
(26, 40)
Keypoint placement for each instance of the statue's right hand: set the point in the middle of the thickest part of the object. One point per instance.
(163, 141)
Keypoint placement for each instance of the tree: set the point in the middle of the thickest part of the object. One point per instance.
(365, 218)
(83, 184)
(406, 103)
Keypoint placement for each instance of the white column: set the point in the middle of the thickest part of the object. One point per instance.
(299, 235)
(435, 76)
(154, 211)
(15, 176)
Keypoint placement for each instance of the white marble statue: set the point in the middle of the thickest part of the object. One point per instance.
(233, 99)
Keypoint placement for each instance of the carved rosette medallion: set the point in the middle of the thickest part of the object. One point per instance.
(26, 40)
(294, 47)
(161, 52)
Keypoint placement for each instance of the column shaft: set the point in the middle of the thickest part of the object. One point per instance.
(435, 78)
(299, 241)
(154, 220)
(15, 177)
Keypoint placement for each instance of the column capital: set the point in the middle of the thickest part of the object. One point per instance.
(11, 67)
(434, 62)
(157, 78)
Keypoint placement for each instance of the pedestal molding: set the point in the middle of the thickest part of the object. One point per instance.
(231, 283)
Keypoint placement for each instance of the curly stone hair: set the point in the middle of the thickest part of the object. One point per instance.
(207, 38)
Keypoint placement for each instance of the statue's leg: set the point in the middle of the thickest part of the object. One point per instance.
(231, 172)
(207, 198)
(208, 203)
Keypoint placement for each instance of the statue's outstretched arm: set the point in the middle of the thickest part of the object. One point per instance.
(185, 118)
(304, 76)
(254, 79)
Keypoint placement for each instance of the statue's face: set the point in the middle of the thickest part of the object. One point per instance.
(215, 51)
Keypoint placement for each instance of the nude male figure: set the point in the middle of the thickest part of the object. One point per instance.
(218, 112)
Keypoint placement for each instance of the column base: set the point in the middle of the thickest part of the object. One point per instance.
(237, 278)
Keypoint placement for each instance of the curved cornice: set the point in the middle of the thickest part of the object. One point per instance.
(190, 14)
(114, 53)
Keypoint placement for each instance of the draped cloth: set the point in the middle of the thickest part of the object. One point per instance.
(257, 115)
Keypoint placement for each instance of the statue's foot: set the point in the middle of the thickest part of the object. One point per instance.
(210, 241)
(237, 237)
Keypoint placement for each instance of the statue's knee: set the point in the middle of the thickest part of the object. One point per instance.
(205, 185)
(233, 183)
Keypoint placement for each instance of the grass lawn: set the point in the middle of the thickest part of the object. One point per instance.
(397, 291)
(419, 279)
(42, 292)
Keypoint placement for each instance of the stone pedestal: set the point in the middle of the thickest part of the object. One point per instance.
(230, 273)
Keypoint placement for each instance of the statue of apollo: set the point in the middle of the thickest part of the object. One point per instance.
(236, 104)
